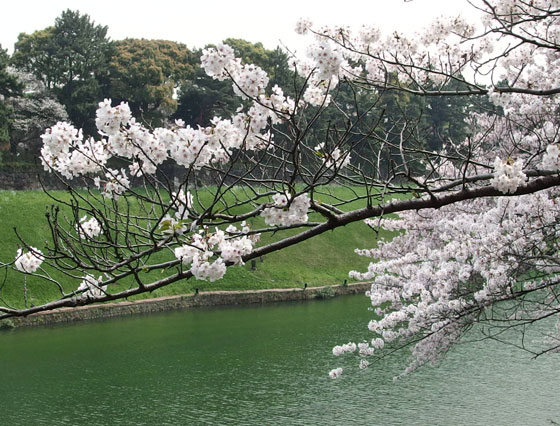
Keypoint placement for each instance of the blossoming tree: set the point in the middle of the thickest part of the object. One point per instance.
(477, 220)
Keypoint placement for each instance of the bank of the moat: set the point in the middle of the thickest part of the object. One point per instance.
(209, 298)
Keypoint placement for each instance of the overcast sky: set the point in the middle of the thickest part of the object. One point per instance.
(197, 23)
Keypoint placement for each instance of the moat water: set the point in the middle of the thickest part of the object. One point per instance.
(265, 365)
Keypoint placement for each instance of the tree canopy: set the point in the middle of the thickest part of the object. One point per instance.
(146, 74)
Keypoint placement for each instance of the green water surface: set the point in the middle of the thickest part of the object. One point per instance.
(265, 365)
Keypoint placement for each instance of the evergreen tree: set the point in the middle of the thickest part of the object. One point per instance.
(146, 73)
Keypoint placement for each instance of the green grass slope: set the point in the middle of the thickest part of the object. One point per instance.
(323, 260)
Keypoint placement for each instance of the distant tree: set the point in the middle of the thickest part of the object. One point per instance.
(70, 58)
(37, 54)
(446, 116)
(201, 98)
(34, 111)
(9, 87)
(146, 74)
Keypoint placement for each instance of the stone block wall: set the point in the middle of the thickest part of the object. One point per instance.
(202, 299)
(27, 177)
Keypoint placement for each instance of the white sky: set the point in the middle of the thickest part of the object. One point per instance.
(197, 23)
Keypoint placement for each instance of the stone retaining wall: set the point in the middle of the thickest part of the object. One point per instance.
(27, 177)
(211, 298)
(30, 176)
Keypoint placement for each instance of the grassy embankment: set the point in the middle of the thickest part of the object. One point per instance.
(323, 260)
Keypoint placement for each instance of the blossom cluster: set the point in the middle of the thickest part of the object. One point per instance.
(433, 55)
(344, 349)
(231, 245)
(508, 175)
(335, 373)
(551, 159)
(447, 267)
(249, 80)
(451, 264)
(66, 152)
(92, 288)
(89, 228)
(109, 119)
(30, 261)
(445, 50)
(115, 183)
(317, 95)
(303, 25)
(216, 60)
(287, 210)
